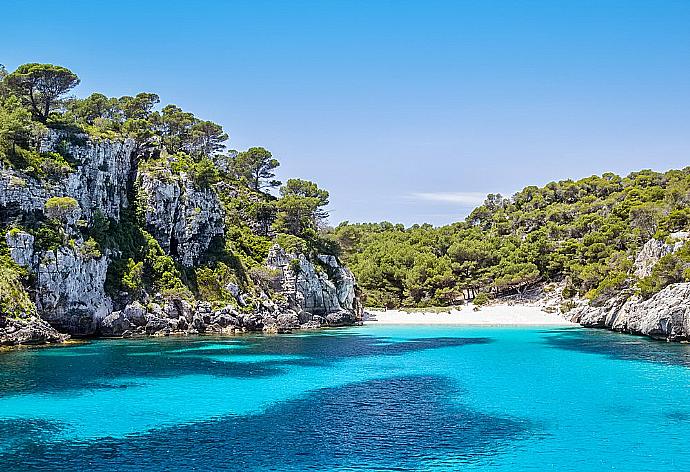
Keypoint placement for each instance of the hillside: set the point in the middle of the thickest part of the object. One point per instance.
(601, 237)
(121, 217)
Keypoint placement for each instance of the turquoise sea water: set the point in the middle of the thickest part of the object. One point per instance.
(366, 398)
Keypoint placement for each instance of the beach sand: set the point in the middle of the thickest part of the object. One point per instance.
(499, 314)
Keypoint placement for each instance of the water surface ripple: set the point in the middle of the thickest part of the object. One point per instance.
(367, 398)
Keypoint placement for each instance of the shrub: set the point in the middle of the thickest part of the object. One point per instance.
(14, 299)
(205, 173)
(48, 236)
(212, 283)
(481, 299)
(295, 266)
(132, 279)
(91, 249)
(291, 244)
(612, 284)
(60, 207)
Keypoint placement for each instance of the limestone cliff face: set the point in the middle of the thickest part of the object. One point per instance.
(327, 291)
(69, 291)
(183, 218)
(666, 315)
(68, 282)
(99, 182)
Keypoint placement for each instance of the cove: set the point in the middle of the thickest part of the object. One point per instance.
(363, 398)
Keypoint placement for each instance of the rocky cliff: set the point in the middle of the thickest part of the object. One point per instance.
(68, 278)
(666, 315)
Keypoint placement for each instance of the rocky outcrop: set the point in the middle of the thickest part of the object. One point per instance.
(70, 292)
(666, 315)
(28, 330)
(316, 296)
(653, 250)
(69, 287)
(21, 246)
(98, 183)
(323, 290)
(182, 217)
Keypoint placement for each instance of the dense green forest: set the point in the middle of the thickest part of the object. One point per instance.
(35, 100)
(586, 232)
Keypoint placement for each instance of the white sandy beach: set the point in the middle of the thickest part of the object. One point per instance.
(499, 314)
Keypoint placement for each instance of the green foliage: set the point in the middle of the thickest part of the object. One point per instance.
(256, 168)
(300, 208)
(48, 236)
(91, 249)
(481, 299)
(586, 232)
(14, 299)
(133, 276)
(205, 173)
(60, 207)
(295, 266)
(40, 86)
(212, 283)
(291, 244)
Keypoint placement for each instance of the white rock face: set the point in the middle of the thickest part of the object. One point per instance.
(312, 290)
(653, 250)
(664, 316)
(69, 289)
(100, 181)
(21, 247)
(180, 216)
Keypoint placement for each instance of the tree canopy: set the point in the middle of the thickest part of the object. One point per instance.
(585, 232)
(40, 86)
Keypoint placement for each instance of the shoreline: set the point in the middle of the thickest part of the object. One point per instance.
(497, 314)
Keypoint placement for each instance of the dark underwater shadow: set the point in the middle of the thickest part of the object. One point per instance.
(619, 346)
(388, 424)
(98, 365)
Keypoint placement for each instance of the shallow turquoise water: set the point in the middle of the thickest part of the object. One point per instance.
(366, 398)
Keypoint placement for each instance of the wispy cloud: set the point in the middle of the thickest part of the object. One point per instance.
(458, 198)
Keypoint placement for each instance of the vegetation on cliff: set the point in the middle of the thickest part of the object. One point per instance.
(170, 145)
(587, 232)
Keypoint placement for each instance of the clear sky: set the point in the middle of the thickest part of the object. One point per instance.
(406, 111)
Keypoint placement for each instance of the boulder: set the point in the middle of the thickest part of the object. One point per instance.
(251, 322)
(28, 330)
(115, 324)
(157, 325)
(135, 313)
(288, 321)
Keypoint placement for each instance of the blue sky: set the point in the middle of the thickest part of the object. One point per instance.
(406, 111)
